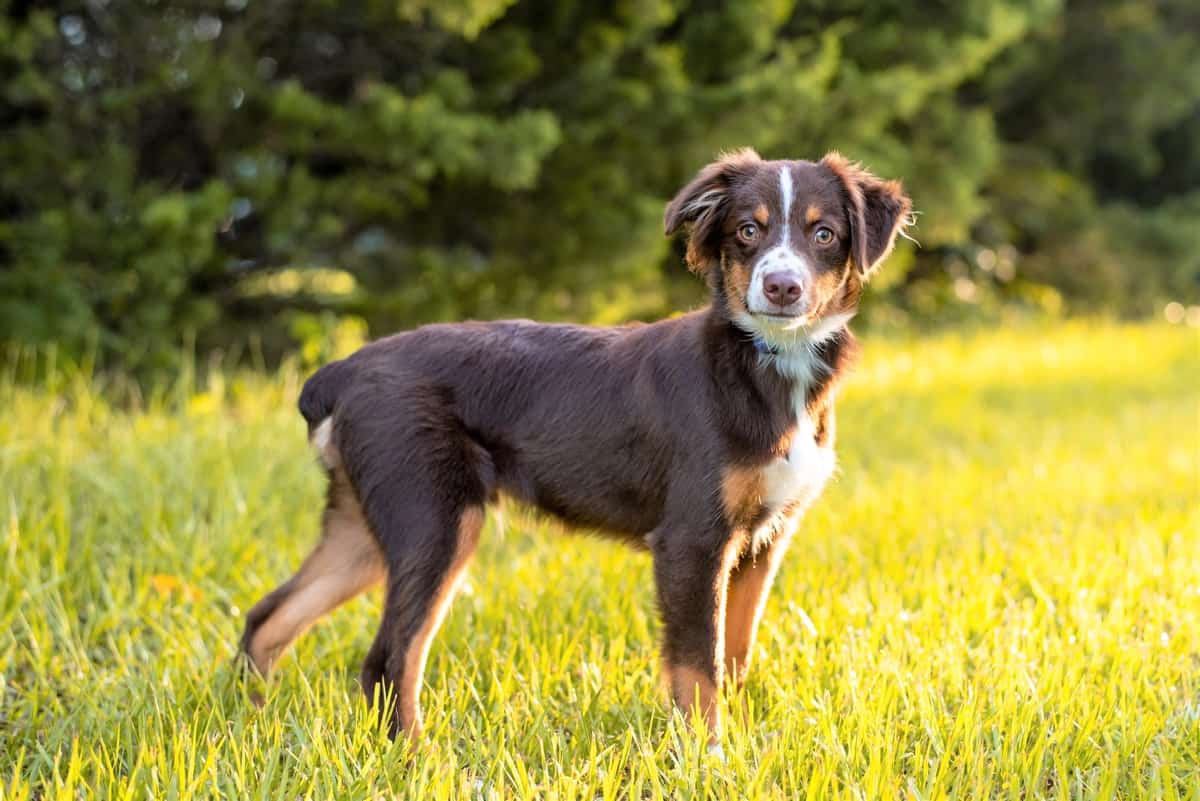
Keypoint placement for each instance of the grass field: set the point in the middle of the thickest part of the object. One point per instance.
(998, 597)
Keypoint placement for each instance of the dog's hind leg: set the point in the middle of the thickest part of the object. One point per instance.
(424, 573)
(346, 561)
(423, 481)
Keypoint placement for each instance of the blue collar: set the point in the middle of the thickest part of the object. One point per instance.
(764, 348)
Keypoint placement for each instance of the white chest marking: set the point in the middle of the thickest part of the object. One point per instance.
(799, 478)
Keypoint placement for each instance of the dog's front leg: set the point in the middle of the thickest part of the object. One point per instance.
(749, 582)
(691, 571)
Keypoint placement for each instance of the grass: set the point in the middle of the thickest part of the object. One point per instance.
(999, 597)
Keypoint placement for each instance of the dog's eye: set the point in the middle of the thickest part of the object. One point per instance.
(748, 232)
(823, 236)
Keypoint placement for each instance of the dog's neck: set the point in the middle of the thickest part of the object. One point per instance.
(797, 353)
(799, 367)
(765, 397)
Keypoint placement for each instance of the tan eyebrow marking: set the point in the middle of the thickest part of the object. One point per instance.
(811, 215)
(762, 214)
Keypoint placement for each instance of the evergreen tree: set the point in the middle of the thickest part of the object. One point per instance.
(251, 168)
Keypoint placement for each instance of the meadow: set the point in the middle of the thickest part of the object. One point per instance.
(997, 597)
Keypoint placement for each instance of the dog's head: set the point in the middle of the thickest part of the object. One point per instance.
(788, 244)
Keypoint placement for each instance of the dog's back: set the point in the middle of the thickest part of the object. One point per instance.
(581, 421)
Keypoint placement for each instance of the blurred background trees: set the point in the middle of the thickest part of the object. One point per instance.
(282, 172)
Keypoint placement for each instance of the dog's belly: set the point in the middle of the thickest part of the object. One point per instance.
(576, 495)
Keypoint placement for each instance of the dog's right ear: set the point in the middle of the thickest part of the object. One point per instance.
(701, 206)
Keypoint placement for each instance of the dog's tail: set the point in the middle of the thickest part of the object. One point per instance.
(321, 391)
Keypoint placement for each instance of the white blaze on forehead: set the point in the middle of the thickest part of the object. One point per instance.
(785, 192)
(783, 250)
(781, 257)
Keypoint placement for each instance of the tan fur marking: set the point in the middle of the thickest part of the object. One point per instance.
(408, 693)
(741, 492)
(695, 258)
(689, 685)
(737, 285)
(345, 563)
(743, 611)
(762, 215)
(812, 214)
(836, 291)
(826, 424)
(745, 600)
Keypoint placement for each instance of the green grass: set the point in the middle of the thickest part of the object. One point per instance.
(999, 597)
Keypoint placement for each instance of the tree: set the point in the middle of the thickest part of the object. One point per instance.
(247, 168)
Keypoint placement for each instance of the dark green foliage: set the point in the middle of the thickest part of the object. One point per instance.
(256, 171)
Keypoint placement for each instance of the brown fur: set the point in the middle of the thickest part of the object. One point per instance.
(741, 494)
(418, 649)
(657, 434)
(695, 686)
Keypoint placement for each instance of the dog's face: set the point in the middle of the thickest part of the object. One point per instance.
(788, 243)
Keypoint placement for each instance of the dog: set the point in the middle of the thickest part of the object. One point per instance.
(702, 438)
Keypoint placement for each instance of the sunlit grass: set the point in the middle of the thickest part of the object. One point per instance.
(999, 597)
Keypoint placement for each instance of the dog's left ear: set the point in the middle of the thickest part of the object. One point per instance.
(879, 210)
(702, 204)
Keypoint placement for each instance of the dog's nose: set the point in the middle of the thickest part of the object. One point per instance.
(782, 289)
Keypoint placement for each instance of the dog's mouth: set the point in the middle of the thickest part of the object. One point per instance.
(784, 319)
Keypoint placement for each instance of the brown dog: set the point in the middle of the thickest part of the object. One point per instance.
(701, 438)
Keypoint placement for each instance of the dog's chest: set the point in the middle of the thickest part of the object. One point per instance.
(788, 482)
(798, 476)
